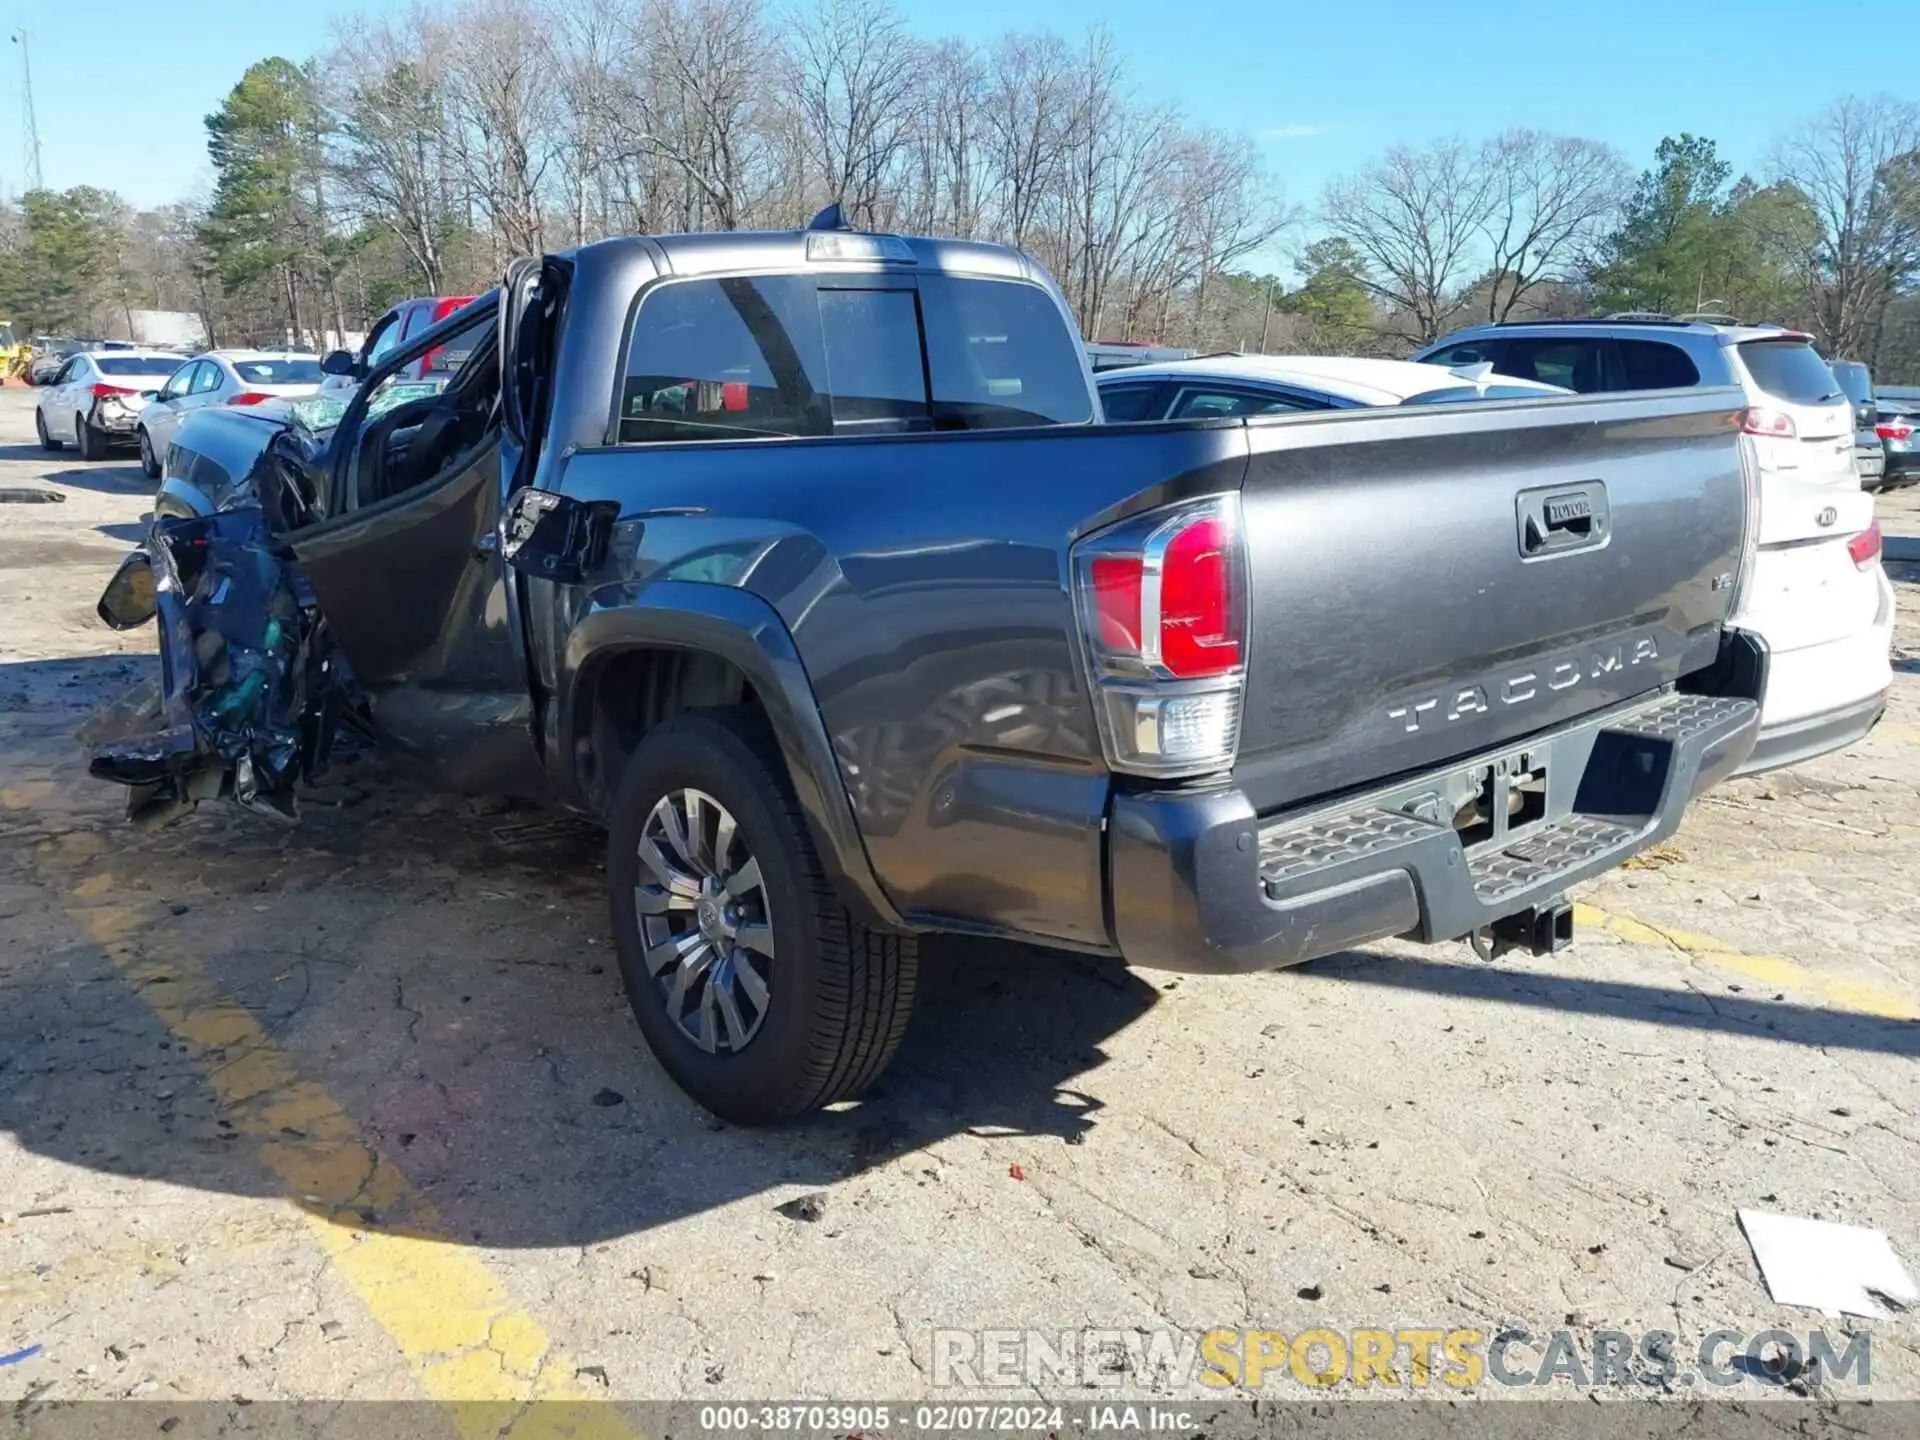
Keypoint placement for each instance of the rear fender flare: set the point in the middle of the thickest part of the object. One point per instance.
(740, 627)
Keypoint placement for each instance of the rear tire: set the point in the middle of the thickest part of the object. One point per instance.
(149, 466)
(91, 444)
(47, 442)
(837, 996)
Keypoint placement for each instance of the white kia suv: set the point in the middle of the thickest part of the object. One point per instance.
(1816, 590)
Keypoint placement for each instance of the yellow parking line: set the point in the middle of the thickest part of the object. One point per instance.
(473, 1351)
(1860, 996)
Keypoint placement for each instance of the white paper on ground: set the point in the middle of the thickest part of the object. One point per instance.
(1827, 1267)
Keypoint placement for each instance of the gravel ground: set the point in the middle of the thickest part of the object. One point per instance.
(356, 1110)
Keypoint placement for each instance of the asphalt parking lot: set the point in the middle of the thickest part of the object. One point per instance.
(356, 1110)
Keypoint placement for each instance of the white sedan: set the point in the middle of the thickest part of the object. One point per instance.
(1228, 385)
(95, 399)
(220, 377)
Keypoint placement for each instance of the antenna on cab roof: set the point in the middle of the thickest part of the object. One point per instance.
(829, 219)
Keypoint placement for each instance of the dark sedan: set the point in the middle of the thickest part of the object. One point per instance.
(1898, 428)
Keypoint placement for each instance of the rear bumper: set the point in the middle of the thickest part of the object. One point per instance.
(1811, 736)
(1201, 883)
(116, 423)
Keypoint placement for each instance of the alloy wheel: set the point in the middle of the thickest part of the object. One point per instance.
(705, 925)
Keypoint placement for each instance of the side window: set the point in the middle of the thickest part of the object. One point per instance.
(178, 382)
(1572, 363)
(1471, 352)
(1126, 403)
(206, 378)
(723, 359)
(67, 372)
(1197, 402)
(1652, 365)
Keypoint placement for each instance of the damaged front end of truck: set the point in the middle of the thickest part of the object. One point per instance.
(251, 690)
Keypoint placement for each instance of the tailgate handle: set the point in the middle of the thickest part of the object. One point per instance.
(1562, 519)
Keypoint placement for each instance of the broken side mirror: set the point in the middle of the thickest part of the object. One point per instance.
(339, 362)
(128, 601)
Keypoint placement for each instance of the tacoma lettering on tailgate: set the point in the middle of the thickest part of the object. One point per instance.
(1525, 686)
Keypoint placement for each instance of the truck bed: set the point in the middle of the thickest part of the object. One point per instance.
(926, 581)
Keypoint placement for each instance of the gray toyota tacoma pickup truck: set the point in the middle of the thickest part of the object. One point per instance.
(806, 562)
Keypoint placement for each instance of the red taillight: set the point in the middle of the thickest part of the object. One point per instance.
(1775, 423)
(249, 397)
(1865, 547)
(1899, 430)
(1162, 600)
(101, 392)
(1199, 621)
(733, 395)
(1173, 606)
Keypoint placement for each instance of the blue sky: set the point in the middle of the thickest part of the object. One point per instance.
(122, 85)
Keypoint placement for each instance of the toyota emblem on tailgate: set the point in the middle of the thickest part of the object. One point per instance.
(1827, 516)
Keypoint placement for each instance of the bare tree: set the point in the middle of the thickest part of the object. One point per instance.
(946, 175)
(1114, 181)
(1549, 199)
(850, 80)
(1858, 165)
(1024, 117)
(391, 162)
(1415, 217)
(504, 105)
(710, 60)
(459, 133)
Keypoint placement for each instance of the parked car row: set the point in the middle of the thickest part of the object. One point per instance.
(105, 394)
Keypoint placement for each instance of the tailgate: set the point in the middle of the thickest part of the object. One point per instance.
(1428, 583)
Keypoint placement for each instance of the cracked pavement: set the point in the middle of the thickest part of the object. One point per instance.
(318, 1112)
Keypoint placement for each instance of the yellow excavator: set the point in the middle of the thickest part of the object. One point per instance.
(14, 354)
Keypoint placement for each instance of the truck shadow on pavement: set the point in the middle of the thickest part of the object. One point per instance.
(1684, 1009)
(439, 973)
(437, 976)
(114, 477)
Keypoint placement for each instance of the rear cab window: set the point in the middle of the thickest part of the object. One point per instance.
(847, 354)
(1790, 370)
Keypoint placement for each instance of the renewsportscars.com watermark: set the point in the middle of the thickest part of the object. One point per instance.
(1443, 1358)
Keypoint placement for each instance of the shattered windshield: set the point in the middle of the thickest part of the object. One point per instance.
(317, 414)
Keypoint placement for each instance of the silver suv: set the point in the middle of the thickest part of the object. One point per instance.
(1801, 420)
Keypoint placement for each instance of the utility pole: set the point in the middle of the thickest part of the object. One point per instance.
(30, 126)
